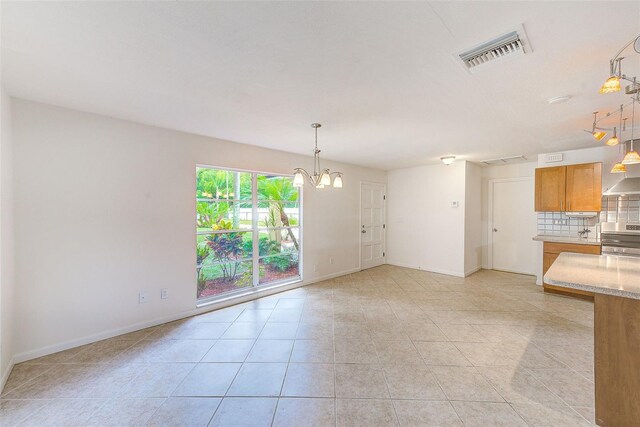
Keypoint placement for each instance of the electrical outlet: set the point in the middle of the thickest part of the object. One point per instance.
(315, 267)
(164, 293)
(143, 297)
(331, 260)
(455, 204)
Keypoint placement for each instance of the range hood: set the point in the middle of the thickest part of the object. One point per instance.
(625, 187)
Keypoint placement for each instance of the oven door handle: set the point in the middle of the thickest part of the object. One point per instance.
(614, 250)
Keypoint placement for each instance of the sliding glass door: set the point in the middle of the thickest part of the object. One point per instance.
(247, 231)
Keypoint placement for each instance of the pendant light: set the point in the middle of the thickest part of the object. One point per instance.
(597, 133)
(614, 139)
(619, 167)
(632, 157)
(321, 177)
(612, 84)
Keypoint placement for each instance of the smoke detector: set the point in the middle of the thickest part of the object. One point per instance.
(507, 46)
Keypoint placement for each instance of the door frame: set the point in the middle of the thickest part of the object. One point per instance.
(384, 221)
(491, 184)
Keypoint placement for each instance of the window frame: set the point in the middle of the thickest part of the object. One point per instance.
(255, 230)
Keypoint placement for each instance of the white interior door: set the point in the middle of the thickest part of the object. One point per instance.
(513, 226)
(372, 230)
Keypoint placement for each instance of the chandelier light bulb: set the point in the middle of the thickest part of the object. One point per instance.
(337, 182)
(298, 179)
(325, 179)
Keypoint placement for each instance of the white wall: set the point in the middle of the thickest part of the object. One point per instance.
(104, 208)
(472, 218)
(7, 281)
(425, 231)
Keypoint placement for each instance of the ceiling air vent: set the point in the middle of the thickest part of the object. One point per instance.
(510, 45)
(505, 160)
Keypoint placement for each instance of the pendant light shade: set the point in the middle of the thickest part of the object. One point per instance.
(614, 139)
(611, 85)
(631, 158)
(599, 135)
(619, 168)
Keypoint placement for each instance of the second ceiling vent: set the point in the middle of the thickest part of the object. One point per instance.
(510, 45)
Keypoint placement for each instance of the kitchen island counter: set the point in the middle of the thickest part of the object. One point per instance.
(615, 282)
(600, 274)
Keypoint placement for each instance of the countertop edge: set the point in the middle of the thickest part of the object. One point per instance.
(569, 240)
(594, 289)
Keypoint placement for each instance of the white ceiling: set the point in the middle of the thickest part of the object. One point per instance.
(380, 77)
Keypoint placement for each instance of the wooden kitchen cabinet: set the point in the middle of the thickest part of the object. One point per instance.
(584, 187)
(550, 189)
(572, 188)
(551, 251)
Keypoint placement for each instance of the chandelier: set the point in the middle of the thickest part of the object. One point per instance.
(612, 85)
(320, 177)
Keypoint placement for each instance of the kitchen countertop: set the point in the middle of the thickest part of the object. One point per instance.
(565, 239)
(600, 274)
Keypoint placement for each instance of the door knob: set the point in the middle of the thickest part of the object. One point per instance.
(495, 230)
(364, 231)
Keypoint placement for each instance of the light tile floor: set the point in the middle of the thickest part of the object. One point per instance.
(385, 346)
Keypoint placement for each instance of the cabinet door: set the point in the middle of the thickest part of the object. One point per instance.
(547, 260)
(550, 189)
(584, 187)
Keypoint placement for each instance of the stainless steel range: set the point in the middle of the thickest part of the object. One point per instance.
(620, 238)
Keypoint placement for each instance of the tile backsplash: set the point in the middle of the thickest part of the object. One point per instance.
(559, 224)
(621, 209)
(614, 209)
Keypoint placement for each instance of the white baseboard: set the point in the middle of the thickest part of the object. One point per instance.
(471, 271)
(50, 349)
(6, 373)
(428, 269)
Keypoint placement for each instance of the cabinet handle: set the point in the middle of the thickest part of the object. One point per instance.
(569, 205)
(560, 204)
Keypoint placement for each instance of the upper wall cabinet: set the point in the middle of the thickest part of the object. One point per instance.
(573, 188)
(550, 189)
(584, 187)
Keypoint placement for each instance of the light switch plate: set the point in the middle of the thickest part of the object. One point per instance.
(143, 297)
(455, 204)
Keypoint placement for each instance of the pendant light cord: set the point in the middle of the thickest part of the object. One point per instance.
(633, 118)
(316, 157)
